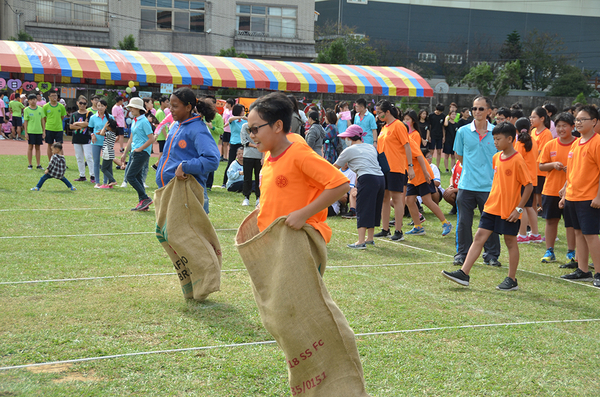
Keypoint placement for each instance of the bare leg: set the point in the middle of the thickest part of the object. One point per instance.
(38, 152)
(551, 232)
(571, 242)
(513, 255)
(524, 223)
(371, 234)
(593, 243)
(428, 201)
(398, 199)
(481, 237)
(445, 160)
(29, 153)
(582, 251)
(386, 209)
(49, 152)
(533, 221)
(411, 203)
(361, 234)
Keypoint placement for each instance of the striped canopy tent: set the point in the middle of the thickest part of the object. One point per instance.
(66, 64)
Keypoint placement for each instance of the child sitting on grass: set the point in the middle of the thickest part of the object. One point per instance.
(109, 132)
(56, 168)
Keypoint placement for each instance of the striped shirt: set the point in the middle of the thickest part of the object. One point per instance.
(108, 150)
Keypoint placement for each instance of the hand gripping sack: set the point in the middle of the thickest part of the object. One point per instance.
(188, 236)
(285, 267)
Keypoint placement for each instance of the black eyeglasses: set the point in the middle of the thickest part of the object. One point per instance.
(83, 103)
(481, 109)
(254, 130)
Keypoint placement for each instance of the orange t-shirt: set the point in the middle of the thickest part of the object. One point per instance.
(509, 175)
(555, 151)
(419, 175)
(416, 137)
(391, 141)
(583, 170)
(541, 138)
(293, 180)
(530, 158)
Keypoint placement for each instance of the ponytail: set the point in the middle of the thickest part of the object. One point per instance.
(386, 106)
(523, 127)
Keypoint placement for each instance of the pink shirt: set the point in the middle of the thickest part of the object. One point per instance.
(6, 128)
(119, 115)
(226, 115)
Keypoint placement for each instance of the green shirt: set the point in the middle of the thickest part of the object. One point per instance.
(34, 117)
(160, 116)
(16, 107)
(92, 110)
(54, 116)
(218, 126)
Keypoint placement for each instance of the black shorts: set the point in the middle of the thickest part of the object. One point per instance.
(550, 207)
(120, 131)
(499, 225)
(395, 181)
(369, 199)
(161, 146)
(421, 190)
(435, 144)
(35, 139)
(17, 122)
(449, 146)
(579, 215)
(529, 202)
(53, 136)
(226, 137)
(540, 186)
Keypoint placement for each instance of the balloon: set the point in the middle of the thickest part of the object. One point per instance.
(119, 93)
(128, 121)
(131, 84)
(128, 90)
(37, 89)
(133, 89)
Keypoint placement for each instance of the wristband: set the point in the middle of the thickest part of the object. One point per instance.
(410, 165)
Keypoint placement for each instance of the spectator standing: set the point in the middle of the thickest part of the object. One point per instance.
(54, 113)
(81, 140)
(436, 141)
(366, 121)
(119, 115)
(252, 165)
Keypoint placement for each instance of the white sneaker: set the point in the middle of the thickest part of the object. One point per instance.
(257, 202)
(146, 186)
(246, 202)
(2, 137)
(124, 184)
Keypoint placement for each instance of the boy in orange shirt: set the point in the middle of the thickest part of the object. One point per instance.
(503, 208)
(581, 201)
(294, 180)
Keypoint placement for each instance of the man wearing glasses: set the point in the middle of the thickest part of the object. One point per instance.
(81, 139)
(474, 147)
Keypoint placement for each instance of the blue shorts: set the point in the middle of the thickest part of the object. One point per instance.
(550, 208)
(421, 190)
(395, 181)
(579, 215)
(499, 225)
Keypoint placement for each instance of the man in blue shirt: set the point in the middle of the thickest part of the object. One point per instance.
(366, 121)
(475, 149)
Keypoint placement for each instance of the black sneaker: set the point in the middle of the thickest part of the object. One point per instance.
(493, 262)
(144, 204)
(383, 233)
(421, 220)
(597, 280)
(392, 223)
(39, 167)
(458, 261)
(350, 215)
(458, 276)
(92, 179)
(30, 167)
(573, 264)
(452, 211)
(155, 166)
(508, 285)
(578, 275)
(398, 236)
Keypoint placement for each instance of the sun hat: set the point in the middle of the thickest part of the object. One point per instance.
(353, 130)
(137, 103)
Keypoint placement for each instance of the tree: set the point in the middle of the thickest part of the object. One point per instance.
(335, 53)
(544, 57)
(22, 36)
(480, 77)
(512, 50)
(128, 43)
(570, 82)
(580, 99)
(231, 53)
(357, 47)
(509, 75)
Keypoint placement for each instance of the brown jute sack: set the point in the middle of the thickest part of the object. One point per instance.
(285, 267)
(186, 233)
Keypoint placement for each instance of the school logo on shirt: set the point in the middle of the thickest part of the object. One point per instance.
(552, 154)
(281, 181)
(182, 144)
(508, 172)
(570, 155)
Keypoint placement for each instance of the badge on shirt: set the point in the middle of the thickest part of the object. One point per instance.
(281, 181)
(552, 154)
(570, 155)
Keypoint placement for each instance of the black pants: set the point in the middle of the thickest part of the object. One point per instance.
(232, 152)
(251, 165)
(107, 170)
(210, 179)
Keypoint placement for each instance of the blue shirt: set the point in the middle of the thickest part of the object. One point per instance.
(236, 129)
(477, 153)
(95, 125)
(140, 129)
(233, 173)
(368, 124)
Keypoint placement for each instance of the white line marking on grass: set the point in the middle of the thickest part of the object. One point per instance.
(57, 209)
(94, 234)
(270, 342)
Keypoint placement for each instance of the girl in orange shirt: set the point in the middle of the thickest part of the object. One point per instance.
(540, 122)
(414, 134)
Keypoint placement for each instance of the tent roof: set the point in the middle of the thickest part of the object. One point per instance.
(108, 66)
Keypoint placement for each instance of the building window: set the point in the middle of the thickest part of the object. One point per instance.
(267, 21)
(427, 57)
(358, 1)
(90, 12)
(454, 59)
(177, 15)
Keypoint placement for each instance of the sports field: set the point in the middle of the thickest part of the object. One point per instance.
(87, 290)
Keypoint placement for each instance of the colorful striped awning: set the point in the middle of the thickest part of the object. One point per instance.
(109, 67)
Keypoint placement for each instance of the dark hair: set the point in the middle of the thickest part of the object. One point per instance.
(57, 145)
(314, 115)
(149, 100)
(487, 100)
(566, 117)
(331, 117)
(541, 112)
(551, 108)
(340, 106)
(419, 114)
(112, 124)
(206, 108)
(504, 112)
(465, 111)
(118, 99)
(238, 110)
(523, 127)
(591, 110)
(516, 113)
(505, 128)
(31, 96)
(516, 106)
(163, 99)
(361, 102)
(385, 105)
(212, 98)
(103, 102)
(50, 93)
(95, 97)
(440, 107)
(186, 96)
(294, 101)
(425, 151)
(415, 120)
(230, 101)
(273, 107)
(453, 104)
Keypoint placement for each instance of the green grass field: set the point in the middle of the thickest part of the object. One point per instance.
(122, 297)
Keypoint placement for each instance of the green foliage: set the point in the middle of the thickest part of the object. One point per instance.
(507, 76)
(128, 43)
(330, 40)
(480, 77)
(543, 56)
(580, 98)
(231, 53)
(512, 48)
(22, 36)
(409, 103)
(336, 53)
(570, 82)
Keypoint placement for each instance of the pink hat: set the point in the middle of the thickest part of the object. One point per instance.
(353, 130)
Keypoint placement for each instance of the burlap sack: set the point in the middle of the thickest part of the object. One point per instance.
(285, 267)
(186, 233)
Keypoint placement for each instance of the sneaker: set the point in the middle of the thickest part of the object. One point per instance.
(30, 167)
(246, 202)
(370, 242)
(96, 186)
(257, 202)
(416, 231)
(73, 188)
(493, 262)
(458, 261)
(578, 275)
(80, 179)
(146, 186)
(508, 285)
(357, 246)
(446, 228)
(223, 187)
(144, 204)
(421, 219)
(155, 166)
(106, 187)
(35, 189)
(452, 211)
(458, 276)
(522, 239)
(2, 137)
(350, 214)
(92, 179)
(549, 256)
(124, 184)
(39, 167)
(597, 280)
(392, 223)
(536, 238)
(137, 207)
(383, 233)
(398, 236)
